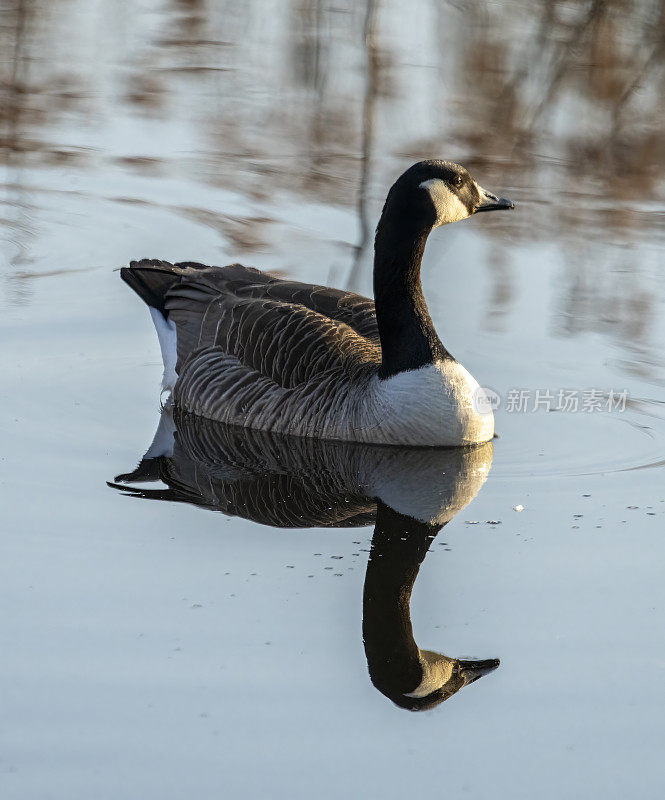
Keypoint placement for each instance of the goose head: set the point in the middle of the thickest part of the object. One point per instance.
(433, 193)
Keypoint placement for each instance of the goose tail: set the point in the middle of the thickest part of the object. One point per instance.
(151, 279)
(178, 319)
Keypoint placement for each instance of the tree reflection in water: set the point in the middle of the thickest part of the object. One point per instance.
(563, 103)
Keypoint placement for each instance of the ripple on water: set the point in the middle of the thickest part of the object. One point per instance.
(545, 445)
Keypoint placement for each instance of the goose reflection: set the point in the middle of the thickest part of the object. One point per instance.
(409, 494)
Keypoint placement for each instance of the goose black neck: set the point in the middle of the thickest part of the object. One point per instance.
(408, 338)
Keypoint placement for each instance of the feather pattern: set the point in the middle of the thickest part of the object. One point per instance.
(294, 358)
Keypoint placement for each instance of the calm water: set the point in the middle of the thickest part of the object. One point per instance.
(166, 650)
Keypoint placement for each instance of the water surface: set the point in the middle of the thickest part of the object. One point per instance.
(161, 649)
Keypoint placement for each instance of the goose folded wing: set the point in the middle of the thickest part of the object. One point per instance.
(281, 339)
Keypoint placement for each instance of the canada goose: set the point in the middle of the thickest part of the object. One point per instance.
(409, 494)
(243, 347)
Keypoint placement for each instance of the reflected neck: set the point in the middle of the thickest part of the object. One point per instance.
(399, 546)
(408, 338)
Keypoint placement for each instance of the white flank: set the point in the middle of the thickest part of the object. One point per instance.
(449, 208)
(433, 406)
(166, 333)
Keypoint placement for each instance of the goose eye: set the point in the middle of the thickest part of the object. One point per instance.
(457, 181)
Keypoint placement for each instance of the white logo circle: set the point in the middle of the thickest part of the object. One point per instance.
(485, 400)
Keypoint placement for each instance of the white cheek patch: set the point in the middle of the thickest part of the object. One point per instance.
(449, 208)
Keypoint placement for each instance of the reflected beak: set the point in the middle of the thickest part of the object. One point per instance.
(472, 670)
(490, 202)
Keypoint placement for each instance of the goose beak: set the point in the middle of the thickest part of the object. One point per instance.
(490, 202)
(472, 670)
